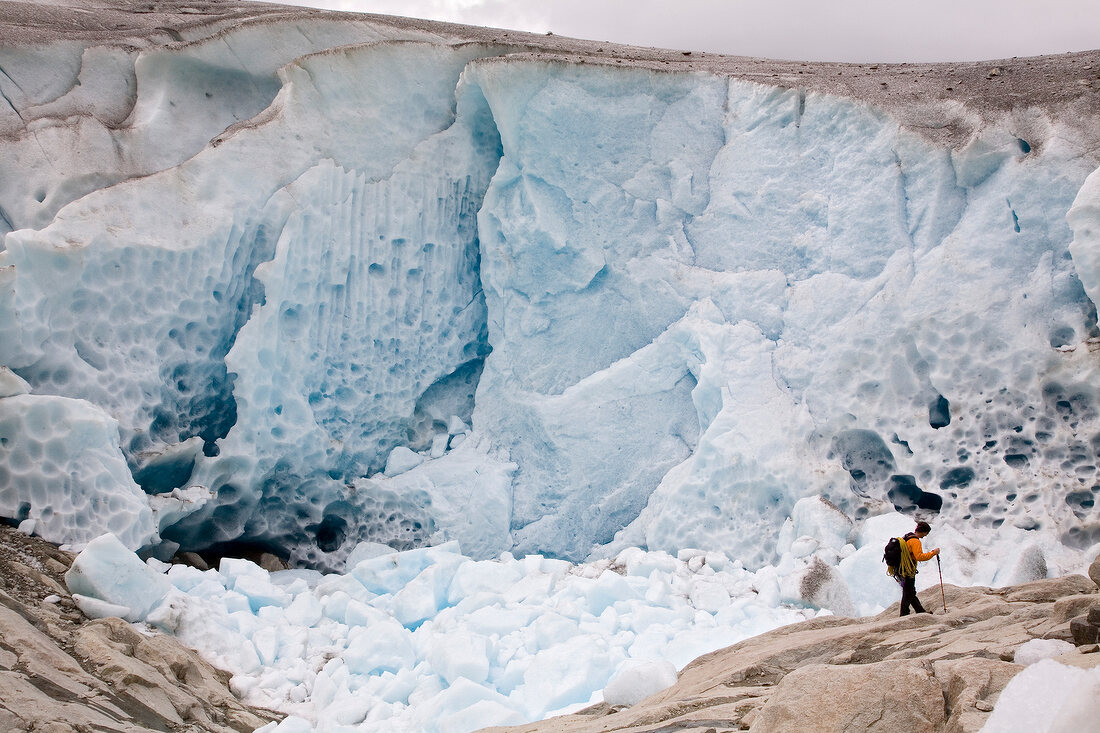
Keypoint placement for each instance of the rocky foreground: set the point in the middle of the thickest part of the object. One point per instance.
(927, 672)
(63, 673)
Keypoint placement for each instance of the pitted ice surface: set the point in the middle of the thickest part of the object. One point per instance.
(60, 466)
(665, 297)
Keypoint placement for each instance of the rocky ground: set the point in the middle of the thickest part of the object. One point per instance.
(63, 673)
(938, 672)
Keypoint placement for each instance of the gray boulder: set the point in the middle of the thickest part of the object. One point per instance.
(1083, 631)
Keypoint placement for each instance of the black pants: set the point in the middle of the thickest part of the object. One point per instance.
(909, 596)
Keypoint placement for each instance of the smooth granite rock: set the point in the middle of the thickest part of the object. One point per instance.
(61, 673)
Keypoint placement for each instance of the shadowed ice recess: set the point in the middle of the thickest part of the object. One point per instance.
(418, 292)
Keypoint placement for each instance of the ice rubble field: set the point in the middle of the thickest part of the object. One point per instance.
(430, 640)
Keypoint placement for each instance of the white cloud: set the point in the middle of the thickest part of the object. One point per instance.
(840, 30)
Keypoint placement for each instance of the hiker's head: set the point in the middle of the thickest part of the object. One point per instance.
(922, 529)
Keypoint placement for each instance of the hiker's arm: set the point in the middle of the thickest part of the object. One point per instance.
(918, 552)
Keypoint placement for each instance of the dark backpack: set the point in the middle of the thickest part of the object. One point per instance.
(891, 555)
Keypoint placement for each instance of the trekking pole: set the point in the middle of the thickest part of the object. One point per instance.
(942, 596)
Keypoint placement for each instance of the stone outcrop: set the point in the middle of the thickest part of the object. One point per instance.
(851, 697)
(1086, 629)
(61, 673)
(939, 672)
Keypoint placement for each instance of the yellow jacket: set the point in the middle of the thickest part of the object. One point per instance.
(911, 554)
(915, 549)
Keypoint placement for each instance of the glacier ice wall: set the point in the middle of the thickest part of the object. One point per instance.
(62, 462)
(414, 289)
(838, 305)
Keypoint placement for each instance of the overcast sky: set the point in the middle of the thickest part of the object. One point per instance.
(808, 30)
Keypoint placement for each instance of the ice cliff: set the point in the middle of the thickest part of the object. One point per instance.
(342, 278)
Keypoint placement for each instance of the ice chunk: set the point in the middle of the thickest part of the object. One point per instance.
(253, 582)
(289, 724)
(708, 595)
(609, 589)
(467, 494)
(423, 596)
(1036, 650)
(637, 679)
(481, 714)
(820, 585)
(401, 460)
(566, 673)
(1047, 697)
(297, 580)
(869, 587)
(465, 706)
(456, 425)
(304, 611)
(96, 608)
(640, 563)
(460, 654)
(820, 519)
(383, 646)
(439, 445)
(483, 577)
(1078, 712)
(11, 384)
(391, 573)
(876, 531)
(106, 570)
(367, 550)
(169, 508)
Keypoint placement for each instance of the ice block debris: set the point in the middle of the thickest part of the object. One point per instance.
(1048, 697)
(108, 571)
(1037, 650)
(637, 679)
(12, 384)
(401, 460)
(170, 507)
(430, 640)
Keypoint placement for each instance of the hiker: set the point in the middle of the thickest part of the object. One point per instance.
(906, 570)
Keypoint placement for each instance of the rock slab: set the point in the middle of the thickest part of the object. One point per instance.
(844, 698)
(61, 673)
